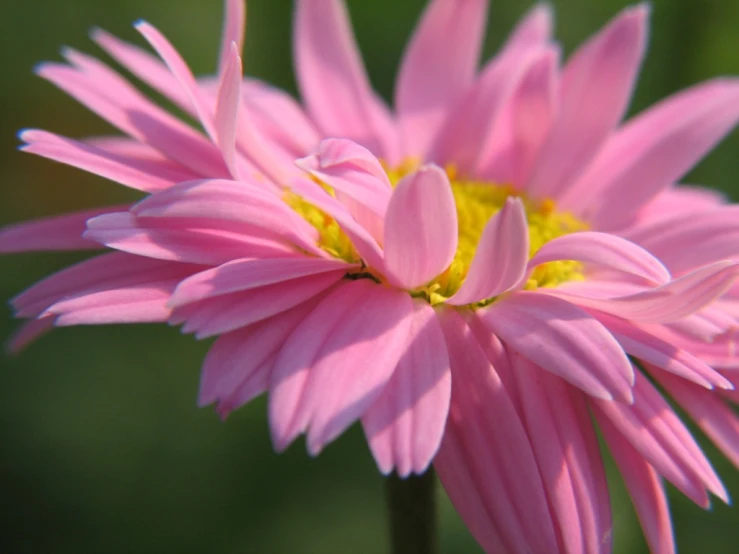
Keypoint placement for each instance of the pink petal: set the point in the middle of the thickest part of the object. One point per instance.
(230, 201)
(351, 170)
(280, 118)
(240, 357)
(534, 29)
(669, 302)
(504, 246)
(28, 332)
(568, 455)
(362, 240)
(562, 338)
(234, 27)
(141, 303)
(248, 274)
(646, 347)
(59, 232)
(145, 66)
(336, 363)
(405, 425)
(227, 108)
(525, 121)
(146, 176)
(656, 432)
(187, 242)
(106, 272)
(112, 98)
(435, 72)
(486, 462)
(476, 120)
(420, 228)
(214, 316)
(708, 410)
(603, 250)
(330, 74)
(182, 72)
(646, 489)
(596, 86)
(654, 150)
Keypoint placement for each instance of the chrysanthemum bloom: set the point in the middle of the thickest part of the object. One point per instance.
(478, 275)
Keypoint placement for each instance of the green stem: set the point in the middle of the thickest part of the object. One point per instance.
(412, 510)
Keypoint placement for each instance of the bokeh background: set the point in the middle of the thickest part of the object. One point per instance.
(103, 449)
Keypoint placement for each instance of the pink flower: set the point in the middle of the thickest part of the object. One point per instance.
(472, 275)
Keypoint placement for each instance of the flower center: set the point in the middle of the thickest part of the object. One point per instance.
(476, 202)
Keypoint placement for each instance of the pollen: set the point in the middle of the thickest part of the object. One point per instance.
(476, 202)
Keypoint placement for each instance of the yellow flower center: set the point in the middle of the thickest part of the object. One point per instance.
(476, 202)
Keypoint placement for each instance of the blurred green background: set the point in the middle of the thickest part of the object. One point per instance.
(104, 450)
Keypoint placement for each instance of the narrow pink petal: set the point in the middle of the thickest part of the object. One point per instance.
(534, 29)
(500, 260)
(669, 302)
(603, 250)
(146, 176)
(362, 239)
(136, 304)
(227, 108)
(656, 432)
(240, 356)
(230, 201)
(639, 343)
(347, 323)
(280, 118)
(234, 30)
(567, 452)
(477, 119)
(29, 332)
(524, 123)
(106, 272)
(351, 170)
(708, 410)
(248, 274)
(108, 95)
(355, 363)
(681, 200)
(182, 72)
(59, 232)
(145, 66)
(420, 228)
(654, 150)
(646, 489)
(214, 316)
(405, 425)
(596, 86)
(435, 72)
(564, 339)
(194, 243)
(692, 239)
(331, 78)
(485, 461)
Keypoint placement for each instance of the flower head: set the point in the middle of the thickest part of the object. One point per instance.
(472, 274)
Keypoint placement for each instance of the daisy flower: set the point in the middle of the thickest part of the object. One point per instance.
(482, 275)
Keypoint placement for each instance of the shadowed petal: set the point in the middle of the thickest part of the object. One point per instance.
(596, 86)
(405, 424)
(564, 339)
(485, 461)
